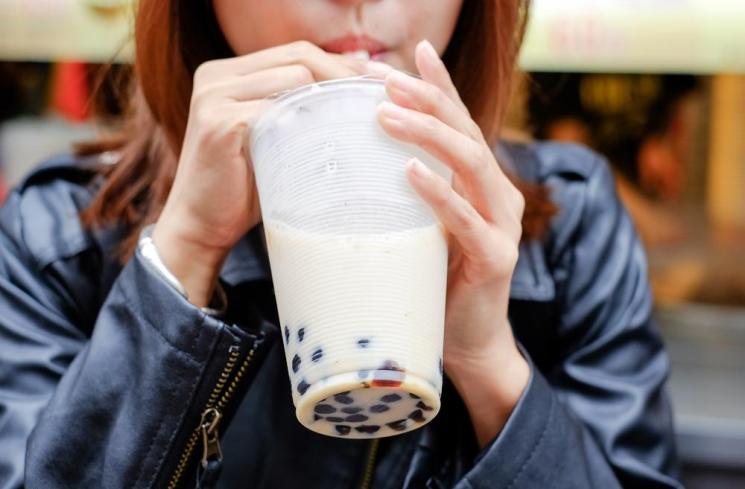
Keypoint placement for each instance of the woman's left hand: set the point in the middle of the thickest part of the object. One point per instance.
(482, 213)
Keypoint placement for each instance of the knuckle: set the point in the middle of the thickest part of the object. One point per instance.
(301, 74)
(301, 49)
(202, 72)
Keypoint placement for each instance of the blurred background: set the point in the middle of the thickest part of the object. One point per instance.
(657, 86)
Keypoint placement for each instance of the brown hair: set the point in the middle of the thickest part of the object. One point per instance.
(481, 57)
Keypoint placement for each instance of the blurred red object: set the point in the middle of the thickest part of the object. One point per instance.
(70, 90)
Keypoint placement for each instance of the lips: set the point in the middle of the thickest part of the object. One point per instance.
(353, 43)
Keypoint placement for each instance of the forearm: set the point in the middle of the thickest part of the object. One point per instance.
(127, 405)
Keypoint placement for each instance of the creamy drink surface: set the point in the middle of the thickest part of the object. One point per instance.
(361, 318)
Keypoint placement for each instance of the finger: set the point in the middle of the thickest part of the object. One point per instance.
(424, 96)
(432, 69)
(466, 157)
(455, 213)
(257, 85)
(323, 65)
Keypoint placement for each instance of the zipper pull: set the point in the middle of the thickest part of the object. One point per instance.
(211, 449)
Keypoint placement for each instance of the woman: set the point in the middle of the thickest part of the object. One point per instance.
(124, 361)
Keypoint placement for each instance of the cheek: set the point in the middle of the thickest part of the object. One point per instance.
(437, 23)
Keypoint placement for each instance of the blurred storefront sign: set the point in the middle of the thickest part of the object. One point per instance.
(691, 36)
(657, 36)
(46, 30)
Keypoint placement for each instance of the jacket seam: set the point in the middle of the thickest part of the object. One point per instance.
(535, 445)
(180, 424)
(150, 445)
(160, 334)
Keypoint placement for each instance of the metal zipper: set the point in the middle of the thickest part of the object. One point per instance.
(370, 464)
(212, 414)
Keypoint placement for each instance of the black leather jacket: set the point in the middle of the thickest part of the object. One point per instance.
(105, 371)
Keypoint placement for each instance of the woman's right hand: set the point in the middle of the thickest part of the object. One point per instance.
(213, 201)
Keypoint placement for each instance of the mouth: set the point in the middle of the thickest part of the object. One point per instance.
(363, 46)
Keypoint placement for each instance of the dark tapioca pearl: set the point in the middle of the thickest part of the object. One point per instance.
(414, 396)
(398, 425)
(363, 342)
(391, 365)
(343, 429)
(351, 410)
(390, 398)
(302, 387)
(301, 334)
(343, 393)
(379, 408)
(388, 378)
(367, 428)
(317, 355)
(287, 335)
(357, 418)
(343, 399)
(324, 409)
(296, 363)
(439, 366)
(417, 416)
(317, 417)
(334, 419)
(423, 406)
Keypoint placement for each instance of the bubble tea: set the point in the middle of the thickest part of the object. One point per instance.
(358, 261)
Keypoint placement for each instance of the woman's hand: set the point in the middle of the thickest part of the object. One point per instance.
(214, 202)
(482, 213)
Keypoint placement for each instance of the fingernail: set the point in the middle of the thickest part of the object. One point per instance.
(392, 111)
(420, 169)
(378, 68)
(429, 49)
(402, 81)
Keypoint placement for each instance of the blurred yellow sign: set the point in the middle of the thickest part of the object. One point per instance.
(666, 36)
(691, 36)
(90, 30)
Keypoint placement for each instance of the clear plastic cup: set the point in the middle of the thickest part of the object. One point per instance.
(358, 260)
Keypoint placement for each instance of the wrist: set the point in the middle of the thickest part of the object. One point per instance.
(195, 266)
(490, 382)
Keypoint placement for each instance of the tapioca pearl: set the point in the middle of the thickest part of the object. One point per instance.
(390, 398)
(301, 334)
(324, 409)
(351, 410)
(439, 366)
(417, 416)
(317, 417)
(356, 418)
(391, 365)
(343, 429)
(398, 425)
(363, 342)
(334, 419)
(317, 355)
(343, 399)
(296, 363)
(370, 429)
(423, 406)
(287, 335)
(413, 396)
(303, 387)
(379, 408)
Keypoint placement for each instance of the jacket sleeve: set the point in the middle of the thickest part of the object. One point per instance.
(118, 407)
(600, 418)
